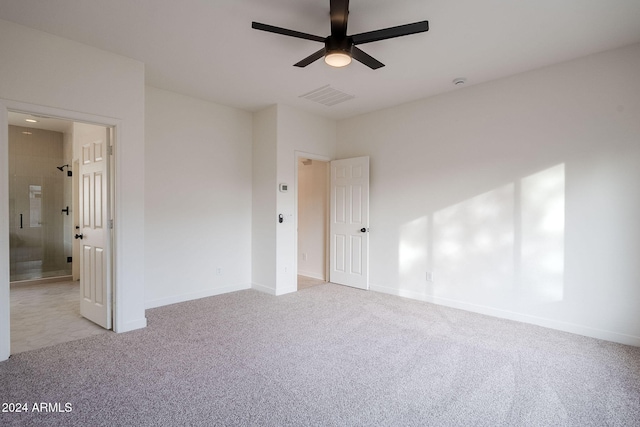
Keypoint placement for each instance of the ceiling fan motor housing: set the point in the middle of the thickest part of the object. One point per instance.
(339, 48)
(338, 45)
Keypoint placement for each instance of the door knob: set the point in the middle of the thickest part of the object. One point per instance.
(79, 236)
(364, 230)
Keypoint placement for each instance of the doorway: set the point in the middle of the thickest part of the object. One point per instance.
(313, 209)
(44, 218)
(333, 210)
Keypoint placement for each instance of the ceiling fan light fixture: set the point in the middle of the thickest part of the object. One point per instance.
(337, 59)
(340, 48)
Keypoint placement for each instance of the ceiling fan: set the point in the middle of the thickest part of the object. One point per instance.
(339, 48)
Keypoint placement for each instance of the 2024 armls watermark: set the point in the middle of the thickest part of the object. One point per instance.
(37, 407)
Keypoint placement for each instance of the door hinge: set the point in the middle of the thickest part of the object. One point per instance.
(110, 150)
(111, 224)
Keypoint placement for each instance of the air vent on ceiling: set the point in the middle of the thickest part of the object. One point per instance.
(326, 95)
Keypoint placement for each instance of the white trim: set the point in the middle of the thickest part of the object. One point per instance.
(262, 288)
(510, 315)
(159, 302)
(5, 306)
(287, 290)
(23, 107)
(60, 113)
(132, 326)
(311, 275)
(311, 156)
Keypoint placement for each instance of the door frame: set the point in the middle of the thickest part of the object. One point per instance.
(115, 125)
(319, 157)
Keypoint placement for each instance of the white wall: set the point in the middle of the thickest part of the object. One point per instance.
(279, 132)
(312, 218)
(264, 189)
(197, 198)
(519, 195)
(53, 75)
(5, 338)
(298, 131)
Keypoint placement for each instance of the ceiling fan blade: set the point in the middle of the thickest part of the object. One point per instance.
(286, 32)
(339, 12)
(389, 33)
(311, 58)
(365, 58)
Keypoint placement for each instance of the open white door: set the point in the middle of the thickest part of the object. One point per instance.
(94, 230)
(349, 222)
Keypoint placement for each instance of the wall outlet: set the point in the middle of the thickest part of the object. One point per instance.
(429, 276)
(219, 271)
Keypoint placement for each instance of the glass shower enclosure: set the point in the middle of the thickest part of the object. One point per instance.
(40, 193)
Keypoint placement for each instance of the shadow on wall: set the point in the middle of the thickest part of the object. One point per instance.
(503, 248)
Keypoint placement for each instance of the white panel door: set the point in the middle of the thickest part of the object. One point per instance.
(349, 222)
(95, 262)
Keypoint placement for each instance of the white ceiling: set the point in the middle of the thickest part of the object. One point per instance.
(207, 49)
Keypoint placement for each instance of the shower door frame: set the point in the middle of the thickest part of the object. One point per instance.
(38, 239)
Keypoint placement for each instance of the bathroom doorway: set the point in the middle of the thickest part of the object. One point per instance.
(45, 292)
(312, 201)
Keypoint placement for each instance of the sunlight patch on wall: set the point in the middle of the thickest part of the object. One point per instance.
(473, 247)
(413, 253)
(542, 245)
(503, 248)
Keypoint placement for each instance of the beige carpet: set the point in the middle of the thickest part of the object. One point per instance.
(326, 356)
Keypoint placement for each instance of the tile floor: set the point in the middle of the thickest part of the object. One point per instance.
(44, 314)
(307, 282)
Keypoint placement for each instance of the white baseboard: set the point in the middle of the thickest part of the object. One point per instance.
(286, 291)
(267, 290)
(310, 274)
(519, 317)
(262, 288)
(132, 326)
(174, 299)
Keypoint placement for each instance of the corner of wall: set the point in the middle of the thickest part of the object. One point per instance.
(5, 341)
